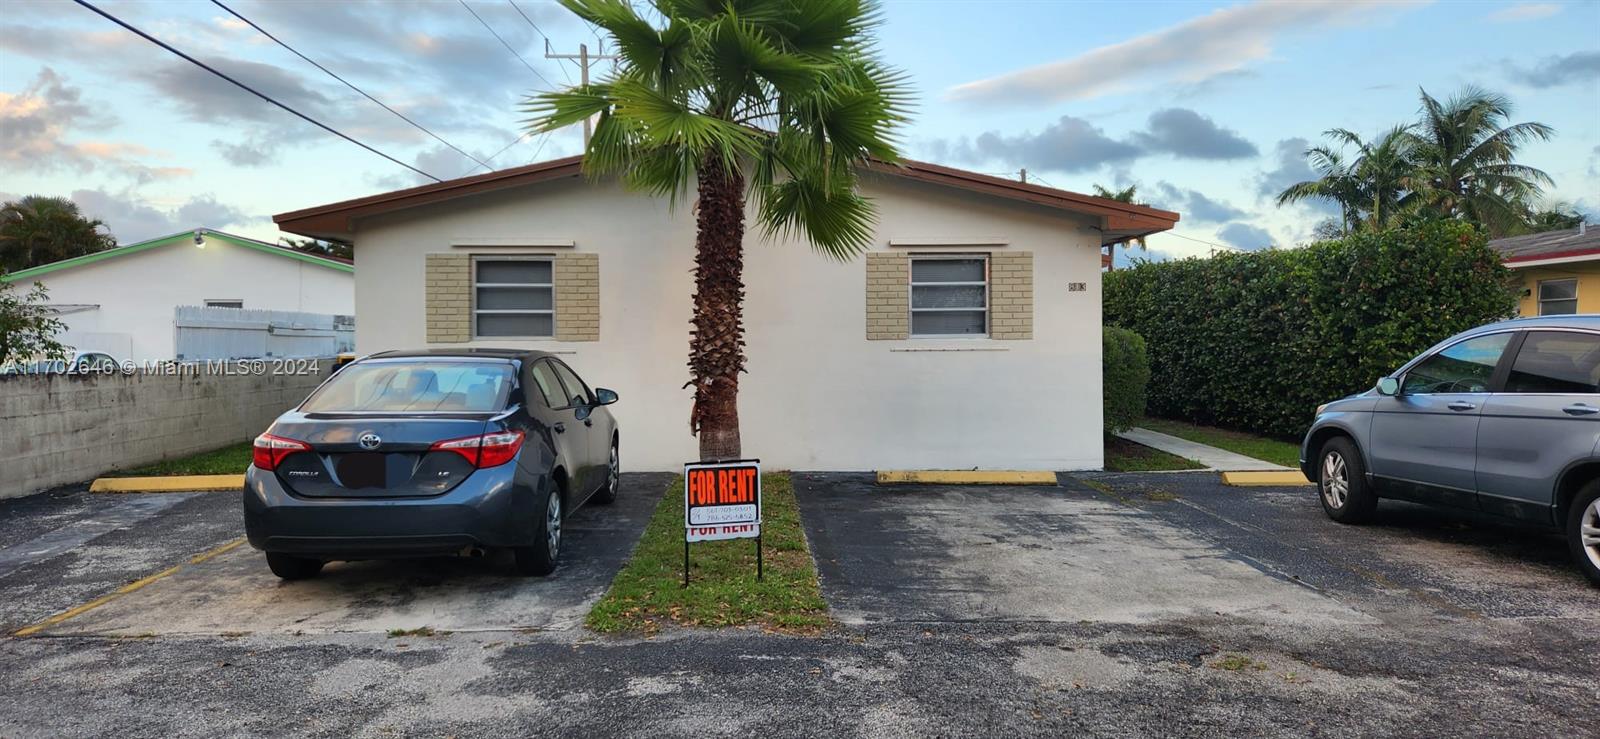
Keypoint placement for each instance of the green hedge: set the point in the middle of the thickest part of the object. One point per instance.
(1125, 369)
(1256, 340)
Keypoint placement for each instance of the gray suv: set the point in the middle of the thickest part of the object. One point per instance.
(1503, 419)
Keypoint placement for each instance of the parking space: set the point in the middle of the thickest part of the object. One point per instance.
(233, 593)
(1033, 554)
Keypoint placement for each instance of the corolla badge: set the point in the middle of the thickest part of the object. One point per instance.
(370, 440)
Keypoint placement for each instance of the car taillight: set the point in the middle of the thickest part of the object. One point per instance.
(270, 450)
(487, 450)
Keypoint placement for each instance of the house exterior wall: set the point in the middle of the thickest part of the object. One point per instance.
(136, 293)
(1587, 274)
(819, 394)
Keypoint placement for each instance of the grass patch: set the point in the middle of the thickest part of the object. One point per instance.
(723, 590)
(229, 460)
(1237, 663)
(419, 631)
(1276, 451)
(1126, 456)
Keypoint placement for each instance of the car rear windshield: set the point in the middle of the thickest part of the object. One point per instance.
(410, 387)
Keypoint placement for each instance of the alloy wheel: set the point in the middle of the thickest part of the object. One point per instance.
(1589, 531)
(552, 524)
(614, 472)
(1335, 480)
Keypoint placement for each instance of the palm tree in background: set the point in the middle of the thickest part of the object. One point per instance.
(1466, 151)
(776, 100)
(1125, 195)
(1336, 181)
(1371, 189)
(37, 230)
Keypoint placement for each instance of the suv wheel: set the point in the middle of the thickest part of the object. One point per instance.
(290, 567)
(608, 492)
(1342, 483)
(1583, 530)
(540, 559)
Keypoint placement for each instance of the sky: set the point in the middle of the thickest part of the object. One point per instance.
(1206, 107)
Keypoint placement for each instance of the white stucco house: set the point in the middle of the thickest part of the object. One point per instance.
(123, 301)
(967, 337)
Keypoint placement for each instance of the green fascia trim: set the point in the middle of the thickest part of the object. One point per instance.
(173, 238)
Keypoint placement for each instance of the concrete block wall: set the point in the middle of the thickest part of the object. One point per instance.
(61, 429)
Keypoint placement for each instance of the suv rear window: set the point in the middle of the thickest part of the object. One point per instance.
(409, 387)
(1556, 362)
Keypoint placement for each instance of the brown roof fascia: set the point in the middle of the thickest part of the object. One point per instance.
(1119, 220)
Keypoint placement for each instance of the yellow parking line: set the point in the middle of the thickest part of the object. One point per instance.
(124, 590)
(170, 484)
(1264, 479)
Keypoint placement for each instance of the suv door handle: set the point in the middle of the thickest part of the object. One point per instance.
(1461, 405)
(1580, 409)
(559, 427)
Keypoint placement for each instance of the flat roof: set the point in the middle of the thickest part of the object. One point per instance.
(1119, 221)
(1568, 244)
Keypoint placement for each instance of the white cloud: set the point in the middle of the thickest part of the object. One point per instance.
(1190, 52)
(1524, 12)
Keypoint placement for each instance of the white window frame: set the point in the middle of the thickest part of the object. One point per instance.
(551, 260)
(911, 291)
(213, 303)
(1539, 299)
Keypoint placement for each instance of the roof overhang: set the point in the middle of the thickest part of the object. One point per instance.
(1545, 260)
(1117, 221)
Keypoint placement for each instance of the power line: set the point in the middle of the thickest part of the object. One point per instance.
(502, 41)
(1202, 241)
(347, 83)
(518, 8)
(247, 88)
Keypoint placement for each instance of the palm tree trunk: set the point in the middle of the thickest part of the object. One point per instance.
(716, 345)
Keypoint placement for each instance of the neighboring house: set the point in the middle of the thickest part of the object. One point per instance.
(968, 336)
(123, 301)
(1560, 270)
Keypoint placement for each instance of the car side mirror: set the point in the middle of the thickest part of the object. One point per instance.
(603, 396)
(1388, 386)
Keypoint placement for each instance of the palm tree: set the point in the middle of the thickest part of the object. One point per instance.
(777, 100)
(37, 229)
(1125, 195)
(1466, 159)
(1371, 189)
(1336, 181)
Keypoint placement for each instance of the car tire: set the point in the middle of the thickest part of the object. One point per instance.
(290, 567)
(1342, 484)
(607, 493)
(1584, 513)
(540, 558)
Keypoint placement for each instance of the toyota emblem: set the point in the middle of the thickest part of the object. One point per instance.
(370, 440)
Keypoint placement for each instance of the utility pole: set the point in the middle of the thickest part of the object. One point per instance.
(1023, 175)
(584, 59)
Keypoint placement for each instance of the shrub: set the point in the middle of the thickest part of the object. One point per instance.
(1256, 340)
(1125, 367)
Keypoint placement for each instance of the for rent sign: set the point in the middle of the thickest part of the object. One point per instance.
(722, 500)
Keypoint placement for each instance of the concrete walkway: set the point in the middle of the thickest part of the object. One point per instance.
(1210, 456)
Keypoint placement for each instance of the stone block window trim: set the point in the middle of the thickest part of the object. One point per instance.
(513, 296)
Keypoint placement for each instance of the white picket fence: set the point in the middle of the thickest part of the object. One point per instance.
(241, 333)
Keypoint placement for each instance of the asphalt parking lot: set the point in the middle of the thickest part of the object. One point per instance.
(1111, 605)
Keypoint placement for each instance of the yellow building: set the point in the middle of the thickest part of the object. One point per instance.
(1560, 270)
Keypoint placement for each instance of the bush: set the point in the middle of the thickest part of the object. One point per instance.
(1125, 367)
(1256, 340)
